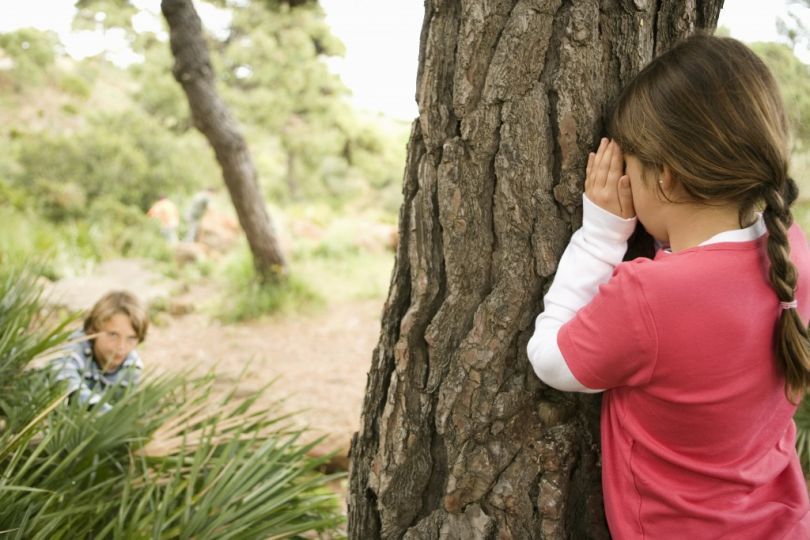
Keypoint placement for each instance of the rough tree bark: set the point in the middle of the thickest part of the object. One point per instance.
(458, 439)
(211, 116)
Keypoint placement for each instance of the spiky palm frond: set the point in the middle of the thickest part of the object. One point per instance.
(169, 460)
(27, 330)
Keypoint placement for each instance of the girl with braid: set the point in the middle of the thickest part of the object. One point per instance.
(702, 352)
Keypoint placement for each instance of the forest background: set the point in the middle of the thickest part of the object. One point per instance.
(90, 145)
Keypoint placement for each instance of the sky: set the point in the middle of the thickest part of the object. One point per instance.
(381, 38)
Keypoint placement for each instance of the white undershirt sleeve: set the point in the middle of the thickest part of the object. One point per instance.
(588, 261)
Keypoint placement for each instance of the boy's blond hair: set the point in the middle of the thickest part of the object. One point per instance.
(118, 302)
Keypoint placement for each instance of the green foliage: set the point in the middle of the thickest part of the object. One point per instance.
(348, 258)
(109, 229)
(800, 171)
(125, 156)
(309, 142)
(357, 275)
(90, 151)
(275, 79)
(793, 77)
(377, 152)
(125, 230)
(14, 196)
(246, 297)
(334, 258)
(75, 85)
(334, 267)
(106, 14)
(31, 45)
(32, 52)
(24, 329)
(161, 96)
(26, 236)
(169, 460)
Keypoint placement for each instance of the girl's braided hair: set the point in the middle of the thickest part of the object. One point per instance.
(711, 111)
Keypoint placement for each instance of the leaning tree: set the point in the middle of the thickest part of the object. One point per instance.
(458, 439)
(213, 118)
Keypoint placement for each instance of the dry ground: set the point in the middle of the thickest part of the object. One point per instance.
(318, 362)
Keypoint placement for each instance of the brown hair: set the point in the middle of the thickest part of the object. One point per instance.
(711, 111)
(118, 302)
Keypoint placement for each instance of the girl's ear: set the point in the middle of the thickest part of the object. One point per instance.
(665, 181)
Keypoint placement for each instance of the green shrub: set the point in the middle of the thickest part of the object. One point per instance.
(162, 98)
(70, 109)
(126, 156)
(59, 251)
(33, 53)
(74, 85)
(12, 195)
(58, 201)
(793, 77)
(169, 460)
(246, 297)
(118, 229)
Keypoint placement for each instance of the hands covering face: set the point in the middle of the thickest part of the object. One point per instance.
(606, 185)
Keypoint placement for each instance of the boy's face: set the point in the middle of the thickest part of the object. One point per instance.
(115, 340)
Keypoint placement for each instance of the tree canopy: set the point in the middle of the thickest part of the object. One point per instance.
(89, 139)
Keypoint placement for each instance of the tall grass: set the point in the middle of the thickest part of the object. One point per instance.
(332, 259)
(246, 297)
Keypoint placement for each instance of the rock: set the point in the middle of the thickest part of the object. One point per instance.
(189, 252)
(218, 232)
(178, 308)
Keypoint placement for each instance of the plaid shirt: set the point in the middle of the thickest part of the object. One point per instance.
(86, 381)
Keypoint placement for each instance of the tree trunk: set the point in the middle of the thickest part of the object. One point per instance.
(458, 438)
(193, 71)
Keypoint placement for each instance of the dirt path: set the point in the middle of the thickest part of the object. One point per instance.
(319, 362)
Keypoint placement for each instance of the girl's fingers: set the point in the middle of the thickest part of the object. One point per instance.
(605, 182)
(616, 167)
(626, 198)
(603, 142)
(604, 166)
(600, 152)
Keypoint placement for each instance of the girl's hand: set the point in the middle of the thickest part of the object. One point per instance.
(606, 185)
